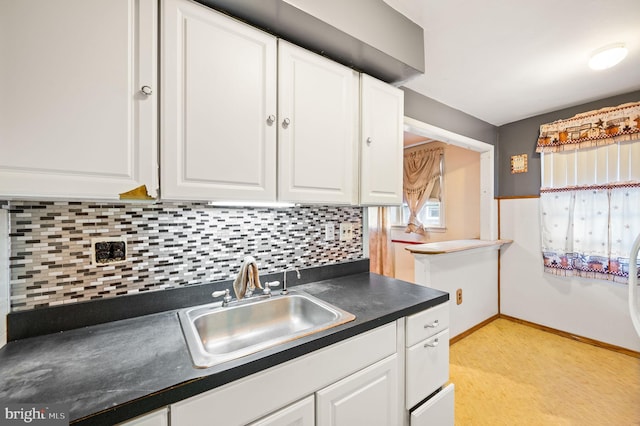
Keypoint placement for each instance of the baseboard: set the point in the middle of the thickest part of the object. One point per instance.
(472, 329)
(561, 333)
(515, 197)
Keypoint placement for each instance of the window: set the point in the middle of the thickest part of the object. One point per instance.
(589, 210)
(431, 215)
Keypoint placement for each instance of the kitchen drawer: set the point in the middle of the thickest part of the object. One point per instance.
(427, 367)
(427, 323)
(437, 411)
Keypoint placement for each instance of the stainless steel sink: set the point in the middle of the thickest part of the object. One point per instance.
(216, 334)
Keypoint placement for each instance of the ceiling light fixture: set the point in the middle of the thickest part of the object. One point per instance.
(607, 56)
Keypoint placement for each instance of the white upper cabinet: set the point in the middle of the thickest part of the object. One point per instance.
(78, 98)
(218, 109)
(381, 155)
(317, 128)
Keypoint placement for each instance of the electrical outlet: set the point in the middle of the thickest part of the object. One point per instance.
(459, 296)
(108, 250)
(329, 231)
(346, 231)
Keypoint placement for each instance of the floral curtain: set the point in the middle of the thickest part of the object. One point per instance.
(590, 199)
(421, 182)
(595, 128)
(588, 232)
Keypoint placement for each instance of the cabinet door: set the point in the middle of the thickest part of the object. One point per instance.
(299, 414)
(317, 129)
(382, 115)
(369, 397)
(74, 122)
(218, 139)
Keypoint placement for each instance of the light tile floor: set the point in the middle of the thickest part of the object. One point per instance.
(512, 374)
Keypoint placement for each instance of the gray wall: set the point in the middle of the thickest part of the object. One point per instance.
(520, 137)
(437, 114)
(440, 115)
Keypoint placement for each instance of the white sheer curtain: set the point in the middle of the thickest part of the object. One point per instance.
(590, 210)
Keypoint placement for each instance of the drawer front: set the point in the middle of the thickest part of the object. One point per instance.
(427, 323)
(427, 367)
(438, 410)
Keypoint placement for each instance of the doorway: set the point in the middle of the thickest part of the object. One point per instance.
(488, 205)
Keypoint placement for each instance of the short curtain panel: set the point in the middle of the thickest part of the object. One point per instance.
(588, 232)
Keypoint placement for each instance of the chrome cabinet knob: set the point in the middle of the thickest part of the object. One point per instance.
(369, 140)
(271, 119)
(286, 122)
(434, 324)
(146, 90)
(432, 344)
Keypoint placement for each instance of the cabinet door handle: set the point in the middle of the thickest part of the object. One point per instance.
(146, 90)
(434, 324)
(433, 344)
(286, 122)
(271, 119)
(369, 140)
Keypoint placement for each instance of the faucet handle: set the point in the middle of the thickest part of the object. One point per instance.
(267, 286)
(227, 296)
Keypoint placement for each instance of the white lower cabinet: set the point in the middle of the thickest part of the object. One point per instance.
(156, 418)
(369, 397)
(301, 413)
(254, 397)
(375, 379)
(427, 368)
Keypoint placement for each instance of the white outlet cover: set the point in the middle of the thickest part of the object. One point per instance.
(346, 231)
(329, 231)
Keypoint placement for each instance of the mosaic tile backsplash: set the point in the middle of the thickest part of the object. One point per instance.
(168, 245)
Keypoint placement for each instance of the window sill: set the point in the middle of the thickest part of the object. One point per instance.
(430, 229)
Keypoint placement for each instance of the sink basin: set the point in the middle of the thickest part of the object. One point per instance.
(216, 334)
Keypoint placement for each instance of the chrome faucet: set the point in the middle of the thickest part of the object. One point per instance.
(284, 286)
(227, 296)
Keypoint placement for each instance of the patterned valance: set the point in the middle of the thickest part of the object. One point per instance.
(601, 127)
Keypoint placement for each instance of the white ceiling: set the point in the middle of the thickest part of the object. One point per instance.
(505, 60)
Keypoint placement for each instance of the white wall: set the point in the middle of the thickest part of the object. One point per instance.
(4, 275)
(475, 272)
(589, 308)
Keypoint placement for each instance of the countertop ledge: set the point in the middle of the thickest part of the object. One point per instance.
(452, 246)
(113, 372)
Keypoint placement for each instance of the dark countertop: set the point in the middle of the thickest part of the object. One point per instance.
(112, 372)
